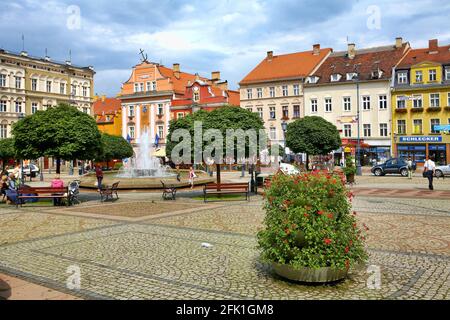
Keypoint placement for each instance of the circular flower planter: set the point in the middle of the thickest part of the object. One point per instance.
(321, 275)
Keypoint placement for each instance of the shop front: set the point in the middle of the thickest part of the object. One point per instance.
(419, 147)
(371, 152)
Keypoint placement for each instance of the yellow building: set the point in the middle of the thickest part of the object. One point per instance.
(421, 100)
(108, 115)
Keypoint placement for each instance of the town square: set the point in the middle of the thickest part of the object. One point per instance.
(302, 166)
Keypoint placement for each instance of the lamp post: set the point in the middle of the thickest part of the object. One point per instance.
(284, 128)
(358, 145)
(22, 180)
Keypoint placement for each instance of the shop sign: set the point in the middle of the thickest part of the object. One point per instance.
(421, 139)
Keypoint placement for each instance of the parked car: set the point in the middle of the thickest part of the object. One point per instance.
(394, 165)
(442, 171)
(28, 170)
(289, 169)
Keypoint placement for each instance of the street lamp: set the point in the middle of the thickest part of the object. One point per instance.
(22, 182)
(358, 146)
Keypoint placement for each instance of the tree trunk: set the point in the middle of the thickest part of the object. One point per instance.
(58, 166)
(218, 175)
(307, 162)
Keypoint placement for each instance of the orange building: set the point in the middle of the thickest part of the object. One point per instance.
(108, 115)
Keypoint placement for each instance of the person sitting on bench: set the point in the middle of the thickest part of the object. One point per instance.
(57, 183)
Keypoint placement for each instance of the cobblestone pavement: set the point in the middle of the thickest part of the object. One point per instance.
(163, 258)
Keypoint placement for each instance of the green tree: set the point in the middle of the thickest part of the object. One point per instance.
(114, 147)
(221, 119)
(313, 136)
(62, 132)
(7, 151)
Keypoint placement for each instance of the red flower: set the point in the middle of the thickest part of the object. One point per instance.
(327, 241)
(354, 226)
(320, 212)
(330, 216)
(306, 215)
(347, 249)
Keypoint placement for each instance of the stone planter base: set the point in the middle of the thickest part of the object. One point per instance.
(321, 275)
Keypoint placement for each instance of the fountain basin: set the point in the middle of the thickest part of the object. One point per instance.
(89, 180)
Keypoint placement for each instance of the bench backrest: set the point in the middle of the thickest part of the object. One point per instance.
(31, 190)
(225, 186)
(115, 185)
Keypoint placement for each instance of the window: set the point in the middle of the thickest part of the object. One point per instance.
(367, 131)
(259, 92)
(85, 110)
(62, 88)
(161, 132)
(131, 111)
(131, 132)
(260, 112)
(272, 92)
(74, 90)
(383, 130)
(249, 109)
(402, 78)
(154, 85)
(3, 105)
(18, 82)
(84, 92)
(285, 110)
(351, 76)
(136, 87)
(2, 80)
(448, 99)
(382, 102)
(419, 76)
(34, 84)
(314, 105)
(3, 131)
(328, 106)
(366, 102)
(417, 125)
(49, 86)
(296, 90)
(160, 109)
(347, 103)
(249, 94)
(272, 114)
(401, 126)
(149, 86)
(34, 107)
(401, 102)
(285, 90)
(447, 73)
(296, 111)
(335, 77)
(434, 100)
(273, 133)
(347, 130)
(19, 106)
(432, 75)
(141, 87)
(180, 115)
(435, 122)
(196, 96)
(417, 101)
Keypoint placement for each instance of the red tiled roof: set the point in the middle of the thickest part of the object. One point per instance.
(438, 55)
(108, 106)
(364, 63)
(179, 84)
(293, 65)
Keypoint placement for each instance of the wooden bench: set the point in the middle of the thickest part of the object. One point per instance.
(107, 192)
(169, 191)
(25, 192)
(226, 188)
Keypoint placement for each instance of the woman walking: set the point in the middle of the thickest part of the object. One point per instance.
(99, 175)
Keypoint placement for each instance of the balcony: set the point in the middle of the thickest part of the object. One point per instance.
(417, 109)
(401, 110)
(434, 109)
(447, 108)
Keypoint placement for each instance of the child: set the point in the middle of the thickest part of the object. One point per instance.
(192, 175)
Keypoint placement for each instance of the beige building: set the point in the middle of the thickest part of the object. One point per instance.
(29, 84)
(333, 90)
(274, 88)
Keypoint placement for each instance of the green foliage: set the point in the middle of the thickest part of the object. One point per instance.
(7, 151)
(313, 136)
(62, 132)
(350, 167)
(114, 147)
(316, 206)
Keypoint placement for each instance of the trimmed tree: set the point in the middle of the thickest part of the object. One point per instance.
(114, 147)
(313, 136)
(7, 151)
(62, 132)
(221, 119)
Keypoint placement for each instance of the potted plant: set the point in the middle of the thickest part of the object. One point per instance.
(310, 233)
(349, 169)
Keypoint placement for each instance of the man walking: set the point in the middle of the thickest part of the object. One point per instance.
(429, 170)
(409, 164)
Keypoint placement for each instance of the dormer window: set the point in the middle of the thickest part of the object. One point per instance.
(335, 77)
(402, 78)
(377, 74)
(312, 79)
(351, 75)
(432, 75)
(195, 94)
(447, 73)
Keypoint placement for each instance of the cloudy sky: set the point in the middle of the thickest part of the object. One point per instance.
(227, 35)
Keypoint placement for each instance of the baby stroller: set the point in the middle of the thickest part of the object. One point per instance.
(74, 192)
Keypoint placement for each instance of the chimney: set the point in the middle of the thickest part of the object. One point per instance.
(176, 70)
(316, 49)
(398, 42)
(223, 85)
(215, 76)
(351, 51)
(433, 44)
(269, 55)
